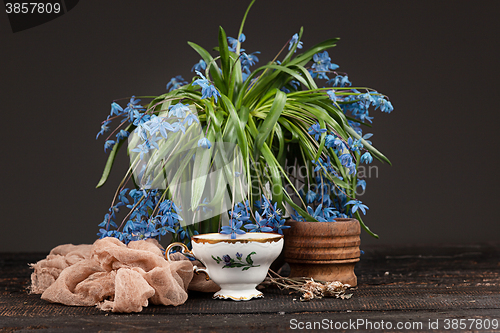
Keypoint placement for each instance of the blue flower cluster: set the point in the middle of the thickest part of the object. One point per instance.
(268, 218)
(322, 65)
(133, 112)
(326, 201)
(157, 128)
(176, 82)
(358, 105)
(149, 217)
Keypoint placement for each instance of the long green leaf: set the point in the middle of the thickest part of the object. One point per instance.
(281, 144)
(364, 225)
(111, 159)
(240, 130)
(224, 54)
(271, 119)
(241, 27)
(299, 210)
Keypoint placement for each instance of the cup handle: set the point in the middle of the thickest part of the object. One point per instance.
(185, 250)
(203, 270)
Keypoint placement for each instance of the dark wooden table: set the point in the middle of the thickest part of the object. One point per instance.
(406, 288)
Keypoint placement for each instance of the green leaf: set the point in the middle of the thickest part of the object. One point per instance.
(111, 159)
(245, 268)
(270, 121)
(281, 157)
(249, 259)
(240, 130)
(236, 264)
(358, 216)
(302, 212)
(242, 25)
(224, 54)
(304, 72)
(236, 77)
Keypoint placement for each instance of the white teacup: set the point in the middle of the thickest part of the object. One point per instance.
(236, 265)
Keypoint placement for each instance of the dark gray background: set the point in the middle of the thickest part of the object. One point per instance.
(436, 60)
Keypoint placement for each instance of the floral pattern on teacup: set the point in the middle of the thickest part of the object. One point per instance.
(238, 262)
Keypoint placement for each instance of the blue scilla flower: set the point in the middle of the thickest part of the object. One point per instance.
(104, 233)
(108, 144)
(116, 109)
(122, 135)
(331, 141)
(322, 64)
(339, 81)
(295, 40)
(204, 143)
(366, 158)
(133, 105)
(199, 66)
(319, 164)
(242, 207)
(170, 219)
(143, 148)
(233, 42)
(241, 216)
(152, 141)
(248, 60)
(317, 214)
(178, 110)
(346, 161)
(176, 82)
(367, 136)
(366, 99)
(259, 226)
(139, 118)
(316, 130)
(159, 124)
(296, 216)
(279, 226)
(356, 204)
(207, 89)
(331, 95)
(233, 228)
(361, 183)
(178, 126)
(355, 145)
(104, 128)
(262, 204)
(382, 104)
(190, 118)
(122, 196)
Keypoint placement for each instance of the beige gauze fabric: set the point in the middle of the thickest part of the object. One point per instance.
(116, 277)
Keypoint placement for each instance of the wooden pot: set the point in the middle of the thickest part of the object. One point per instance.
(326, 251)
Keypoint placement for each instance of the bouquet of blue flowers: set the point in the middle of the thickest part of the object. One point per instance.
(241, 149)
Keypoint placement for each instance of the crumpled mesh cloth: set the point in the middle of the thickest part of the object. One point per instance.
(116, 277)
